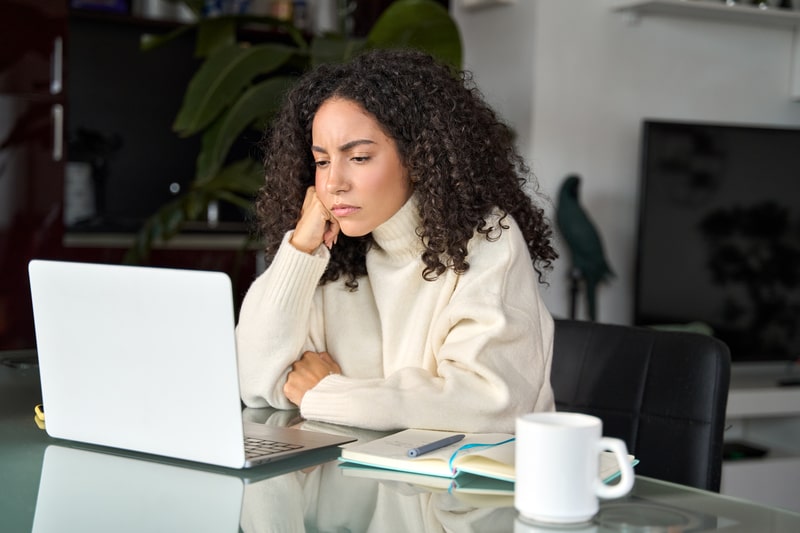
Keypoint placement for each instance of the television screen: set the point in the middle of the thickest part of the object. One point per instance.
(719, 234)
(122, 102)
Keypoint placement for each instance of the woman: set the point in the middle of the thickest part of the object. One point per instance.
(404, 256)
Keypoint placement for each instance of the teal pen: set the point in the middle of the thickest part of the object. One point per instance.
(435, 445)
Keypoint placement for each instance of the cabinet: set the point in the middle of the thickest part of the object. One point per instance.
(62, 72)
(32, 106)
(787, 19)
(765, 414)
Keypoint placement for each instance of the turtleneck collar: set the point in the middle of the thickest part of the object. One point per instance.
(399, 233)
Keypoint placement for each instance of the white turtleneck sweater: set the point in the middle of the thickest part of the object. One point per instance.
(467, 352)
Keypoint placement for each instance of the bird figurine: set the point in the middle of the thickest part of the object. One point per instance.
(589, 262)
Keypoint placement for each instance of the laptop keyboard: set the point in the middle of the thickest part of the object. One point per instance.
(254, 447)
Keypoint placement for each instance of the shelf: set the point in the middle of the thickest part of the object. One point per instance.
(785, 18)
(765, 414)
(771, 481)
(754, 391)
(763, 402)
(124, 19)
(186, 241)
(788, 19)
(257, 32)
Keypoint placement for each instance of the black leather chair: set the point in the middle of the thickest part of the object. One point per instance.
(663, 392)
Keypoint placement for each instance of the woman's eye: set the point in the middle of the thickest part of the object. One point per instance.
(320, 164)
(359, 158)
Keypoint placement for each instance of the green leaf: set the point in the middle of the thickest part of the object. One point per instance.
(214, 33)
(244, 176)
(258, 103)
(421, 24)
(149, 41)
(171, 221)
(334, 49)
(245, 203)
(221, 80)
(195, 204)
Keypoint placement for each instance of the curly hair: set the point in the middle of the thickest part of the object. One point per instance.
(460, 156)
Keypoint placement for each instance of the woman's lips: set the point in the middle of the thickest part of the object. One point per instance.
(340, 211)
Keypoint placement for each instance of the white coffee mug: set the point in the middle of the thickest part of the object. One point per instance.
(557, 467)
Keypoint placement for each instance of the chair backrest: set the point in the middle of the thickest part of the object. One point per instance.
(663, 392)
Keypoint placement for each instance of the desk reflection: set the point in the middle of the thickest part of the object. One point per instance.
(89, 491)
(82, 490)
(324, 500)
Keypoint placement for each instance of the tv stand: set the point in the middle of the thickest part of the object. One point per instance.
(764, 411)
(792, 381)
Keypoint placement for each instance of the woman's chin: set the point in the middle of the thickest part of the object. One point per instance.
(354, 231)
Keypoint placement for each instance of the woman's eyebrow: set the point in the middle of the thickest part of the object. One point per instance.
(345, 147)
(352, 144)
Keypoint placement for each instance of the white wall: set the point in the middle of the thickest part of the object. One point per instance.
(575, 79)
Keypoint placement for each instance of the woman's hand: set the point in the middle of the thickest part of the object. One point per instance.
(316, 226)
(306, 372)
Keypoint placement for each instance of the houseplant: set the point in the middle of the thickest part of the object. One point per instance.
(239, 85)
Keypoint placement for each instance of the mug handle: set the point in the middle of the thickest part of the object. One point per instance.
(625, 483)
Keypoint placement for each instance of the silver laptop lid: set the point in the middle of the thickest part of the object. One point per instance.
(139, 358)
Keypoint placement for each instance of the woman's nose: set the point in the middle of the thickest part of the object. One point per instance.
(336, 181)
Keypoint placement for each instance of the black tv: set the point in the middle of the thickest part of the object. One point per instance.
(719, 234)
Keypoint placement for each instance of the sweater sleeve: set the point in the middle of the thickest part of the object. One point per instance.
(275, 322)
(491, 346)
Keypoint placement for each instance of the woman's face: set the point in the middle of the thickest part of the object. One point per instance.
(359, 176)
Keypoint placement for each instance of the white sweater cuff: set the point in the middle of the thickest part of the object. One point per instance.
(296, 273)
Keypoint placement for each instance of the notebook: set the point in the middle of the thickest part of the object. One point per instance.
(144, 359)
(477, 454)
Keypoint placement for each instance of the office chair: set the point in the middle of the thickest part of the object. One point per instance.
(663, 392)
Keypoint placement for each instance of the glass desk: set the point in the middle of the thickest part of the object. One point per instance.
(52, 485)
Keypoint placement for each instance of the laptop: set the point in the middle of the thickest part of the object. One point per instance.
(144, 359)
